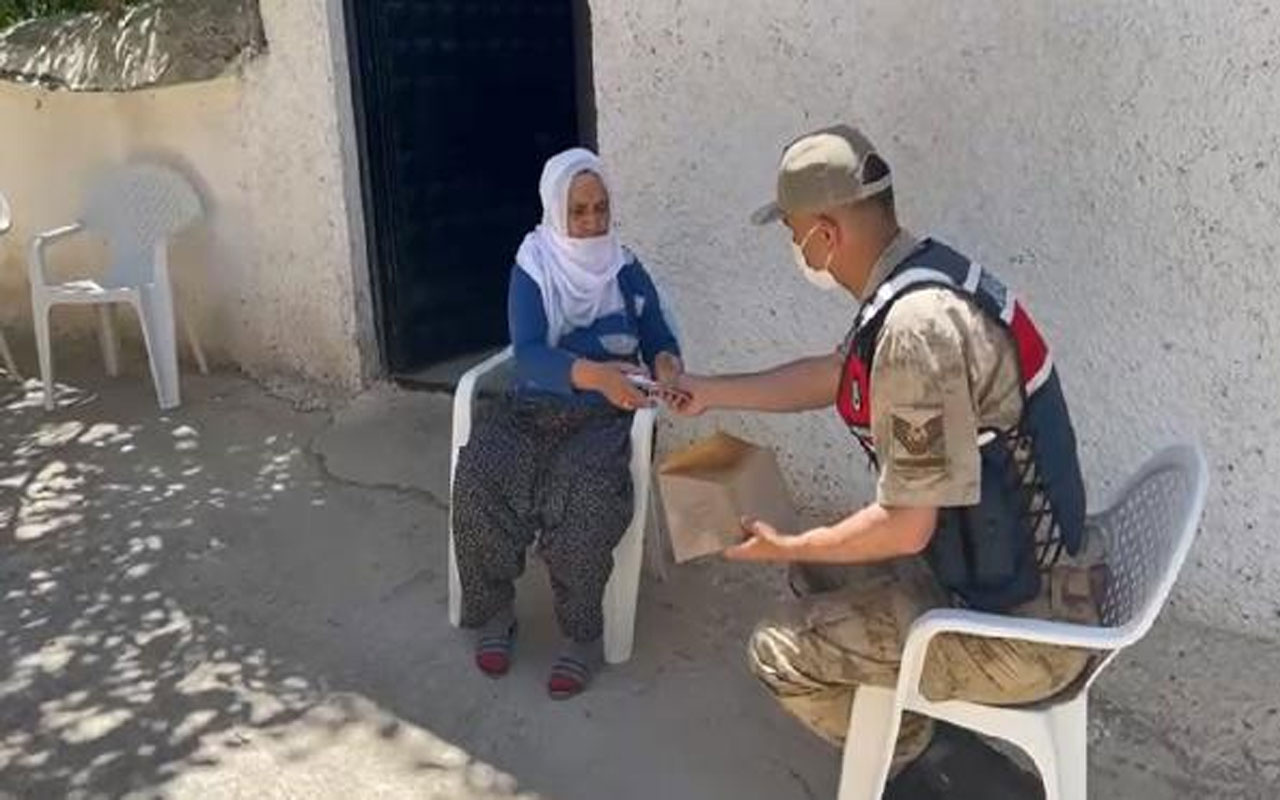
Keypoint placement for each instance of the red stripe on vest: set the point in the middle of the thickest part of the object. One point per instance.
(1032, 351)
(854, 399)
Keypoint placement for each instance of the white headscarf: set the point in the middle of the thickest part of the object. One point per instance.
(578, 277)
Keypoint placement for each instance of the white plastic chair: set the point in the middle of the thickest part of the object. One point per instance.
(137, 208)
(6, 355)
(624, 584)
(1147, 533)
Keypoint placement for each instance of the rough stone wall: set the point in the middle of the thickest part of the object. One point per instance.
(158, 43)
(1117, 163)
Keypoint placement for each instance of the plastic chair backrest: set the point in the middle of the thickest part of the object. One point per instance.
(1148, 532)
(6, 215)
(134, 207)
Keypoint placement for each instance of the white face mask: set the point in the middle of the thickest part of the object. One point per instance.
(593, 256)
(821, 278)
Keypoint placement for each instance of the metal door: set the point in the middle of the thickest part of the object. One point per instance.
(459, 102)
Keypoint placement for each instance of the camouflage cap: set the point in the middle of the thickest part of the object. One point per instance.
(820, 171)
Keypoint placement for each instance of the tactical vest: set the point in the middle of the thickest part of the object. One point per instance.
(989, 556)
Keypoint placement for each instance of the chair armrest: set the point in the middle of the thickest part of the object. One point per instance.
(35, 259)
(993, 626)
(464, 395)
(999, 626)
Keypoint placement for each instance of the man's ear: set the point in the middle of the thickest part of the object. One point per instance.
(833, 228)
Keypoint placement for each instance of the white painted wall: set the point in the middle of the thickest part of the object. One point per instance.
(270, 276)
(1118, 163)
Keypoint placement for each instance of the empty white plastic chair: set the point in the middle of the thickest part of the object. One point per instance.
(6, 355)
(1147, 533)
(624, 584)
(136, 208)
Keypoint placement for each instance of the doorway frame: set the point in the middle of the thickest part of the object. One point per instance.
(345, 96)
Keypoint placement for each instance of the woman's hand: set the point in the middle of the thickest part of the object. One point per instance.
(667, 369)
(609, 378)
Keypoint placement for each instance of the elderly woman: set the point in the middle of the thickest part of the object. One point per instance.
(552, 462)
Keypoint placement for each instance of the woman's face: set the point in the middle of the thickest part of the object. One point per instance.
(588, 207)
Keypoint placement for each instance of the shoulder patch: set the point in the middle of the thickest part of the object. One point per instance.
(919, 439)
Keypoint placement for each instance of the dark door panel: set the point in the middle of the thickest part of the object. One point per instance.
(461, 101)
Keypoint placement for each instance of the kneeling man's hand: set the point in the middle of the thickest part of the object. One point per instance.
(762, 542)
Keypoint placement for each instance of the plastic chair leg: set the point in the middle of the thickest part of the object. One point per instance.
(869, 744)
(44, 349)
(107, 339)
(622, 592)
(1055, 738)
(7, 356)
(455, 580)
(462, 400)
(155, 310)
(1066, 771)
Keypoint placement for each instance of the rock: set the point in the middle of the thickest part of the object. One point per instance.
(154, 44)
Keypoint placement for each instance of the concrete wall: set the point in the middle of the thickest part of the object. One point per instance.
(270, 276)
(1117, 162)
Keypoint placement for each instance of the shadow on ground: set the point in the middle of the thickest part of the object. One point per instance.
(150, 566)
(239, 599)
(194, 606)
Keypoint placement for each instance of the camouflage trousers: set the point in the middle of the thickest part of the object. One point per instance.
(816, 654)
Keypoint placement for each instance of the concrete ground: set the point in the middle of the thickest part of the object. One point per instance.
(241, 599)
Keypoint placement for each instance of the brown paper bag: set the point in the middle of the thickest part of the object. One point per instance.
(708, 487)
